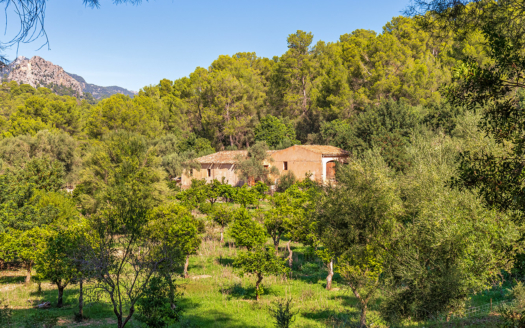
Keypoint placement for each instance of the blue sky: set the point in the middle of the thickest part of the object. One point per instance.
(133, 46)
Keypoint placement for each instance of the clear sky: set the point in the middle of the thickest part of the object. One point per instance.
(133, 46)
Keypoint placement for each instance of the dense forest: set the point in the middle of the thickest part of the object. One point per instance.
(427, 214)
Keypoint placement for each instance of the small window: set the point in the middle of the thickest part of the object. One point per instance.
(209, 172)
(285, 166)
(266, 166)
(191, 172)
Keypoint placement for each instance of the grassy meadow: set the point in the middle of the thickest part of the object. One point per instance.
(215, 296)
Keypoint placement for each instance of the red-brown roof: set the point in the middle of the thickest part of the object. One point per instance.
(230, 156)
(325, 150)
(225, 157)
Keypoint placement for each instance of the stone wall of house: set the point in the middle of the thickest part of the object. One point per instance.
(217, 171)
(299, 161)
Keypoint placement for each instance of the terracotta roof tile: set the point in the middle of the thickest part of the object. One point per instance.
(225, 157)
(325, 150)
(230, 156)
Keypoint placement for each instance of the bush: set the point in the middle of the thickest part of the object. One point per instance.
(518, 293)
(511, 318)
(286, 181)
(41, 319)
(282, 313)
(205, 208)
(154, 307)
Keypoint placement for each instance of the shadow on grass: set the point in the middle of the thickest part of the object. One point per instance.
(24, 308)
(238, 292)
(12, 279)
(333, 318)
(225, 261)
(217, 319)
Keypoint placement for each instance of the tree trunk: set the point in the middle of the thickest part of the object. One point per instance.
(173, 304)
(29, 265)
(222, 235)
(81, 300)
(330, 275)
(362, 321)
(186, 275)
(304, 96)
(290, 253)
(60, 295)
(276, 244)
(259, 279)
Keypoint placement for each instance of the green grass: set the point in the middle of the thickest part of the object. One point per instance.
(215, 296)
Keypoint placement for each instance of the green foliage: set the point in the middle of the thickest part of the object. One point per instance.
(120, 112)
(356, 221)
(122, 165)
(511, 318)
(246, 231)
(176, 223)
(154, 307)
(6, 314)
(275, 132)
(261, 188)
(126, 173)
(467, 244)
(246, 196)
(443, 117)
(387, 127)
(44, 174)
(260, 262)
(45, 112)
(286, 181)
(195, 195)
(517, 293)
(16, 152)
(222, 216)
(255, 167)
(282, 313)
(56, 260)
(41, 319)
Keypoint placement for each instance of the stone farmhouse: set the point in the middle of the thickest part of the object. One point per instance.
(319, 161)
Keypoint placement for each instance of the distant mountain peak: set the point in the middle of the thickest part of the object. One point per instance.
(40, 72)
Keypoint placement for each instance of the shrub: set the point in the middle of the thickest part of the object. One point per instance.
(286, 181)
(511, 318)
(282, 313)
(154, 307)
(518, 293)
(205, 208)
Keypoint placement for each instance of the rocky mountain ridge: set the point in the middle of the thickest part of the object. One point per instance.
(40, 72)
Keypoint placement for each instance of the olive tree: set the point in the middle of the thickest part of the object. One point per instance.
(356, 221)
